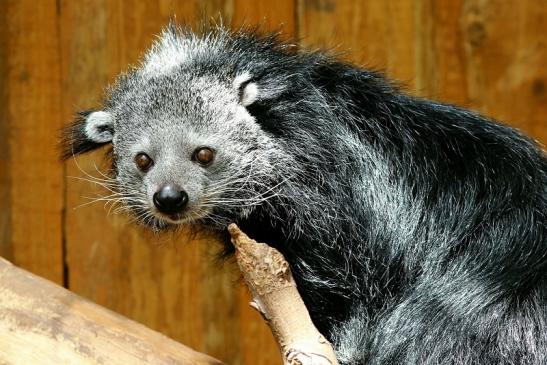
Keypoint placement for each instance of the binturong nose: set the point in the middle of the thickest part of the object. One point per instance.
(170, 199)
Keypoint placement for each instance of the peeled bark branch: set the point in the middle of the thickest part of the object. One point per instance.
(274, 293)
(44, 324)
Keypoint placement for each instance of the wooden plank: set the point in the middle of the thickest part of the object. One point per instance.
(67, 329)
(441, 71)
(487, 56)
(31, 103)
(506, 54)
(376, 34)
(5, 177)
(272, 16)
(165, 282)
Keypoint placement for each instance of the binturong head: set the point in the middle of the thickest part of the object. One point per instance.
(186, 148)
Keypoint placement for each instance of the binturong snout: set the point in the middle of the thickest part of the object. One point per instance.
(170, 199)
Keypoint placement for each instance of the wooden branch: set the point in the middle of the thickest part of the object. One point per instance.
(274, 293)
(42, 323)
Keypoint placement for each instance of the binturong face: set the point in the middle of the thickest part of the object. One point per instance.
(185, 148)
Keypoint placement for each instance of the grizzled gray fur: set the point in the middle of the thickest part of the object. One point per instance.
(415, 229)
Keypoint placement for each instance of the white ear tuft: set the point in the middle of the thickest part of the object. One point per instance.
(241, 79)
(249, 94)
(99, 127)
(248, 91)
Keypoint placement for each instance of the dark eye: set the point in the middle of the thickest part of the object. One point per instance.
(204, 155)
(143, 161)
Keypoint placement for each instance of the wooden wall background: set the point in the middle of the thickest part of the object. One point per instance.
(57, 55)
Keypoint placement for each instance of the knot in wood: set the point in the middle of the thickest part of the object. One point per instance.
(261, 264)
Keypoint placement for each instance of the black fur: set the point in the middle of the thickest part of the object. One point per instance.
(415, 229)
(456, 274)
(74, 140)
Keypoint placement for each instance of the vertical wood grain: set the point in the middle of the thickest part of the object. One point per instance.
(440, 68)
(506, 57)
(5, 176)
(376, 34)
(274, 16)
(33, 184)
(484, 55)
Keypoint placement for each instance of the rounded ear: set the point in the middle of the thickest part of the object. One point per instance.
(89, 131)
(99, 127)
(247, 90)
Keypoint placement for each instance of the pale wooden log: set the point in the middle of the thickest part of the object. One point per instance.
(42, 323)
(274, 293)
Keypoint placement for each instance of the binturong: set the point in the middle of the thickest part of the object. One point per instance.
(415, 229)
